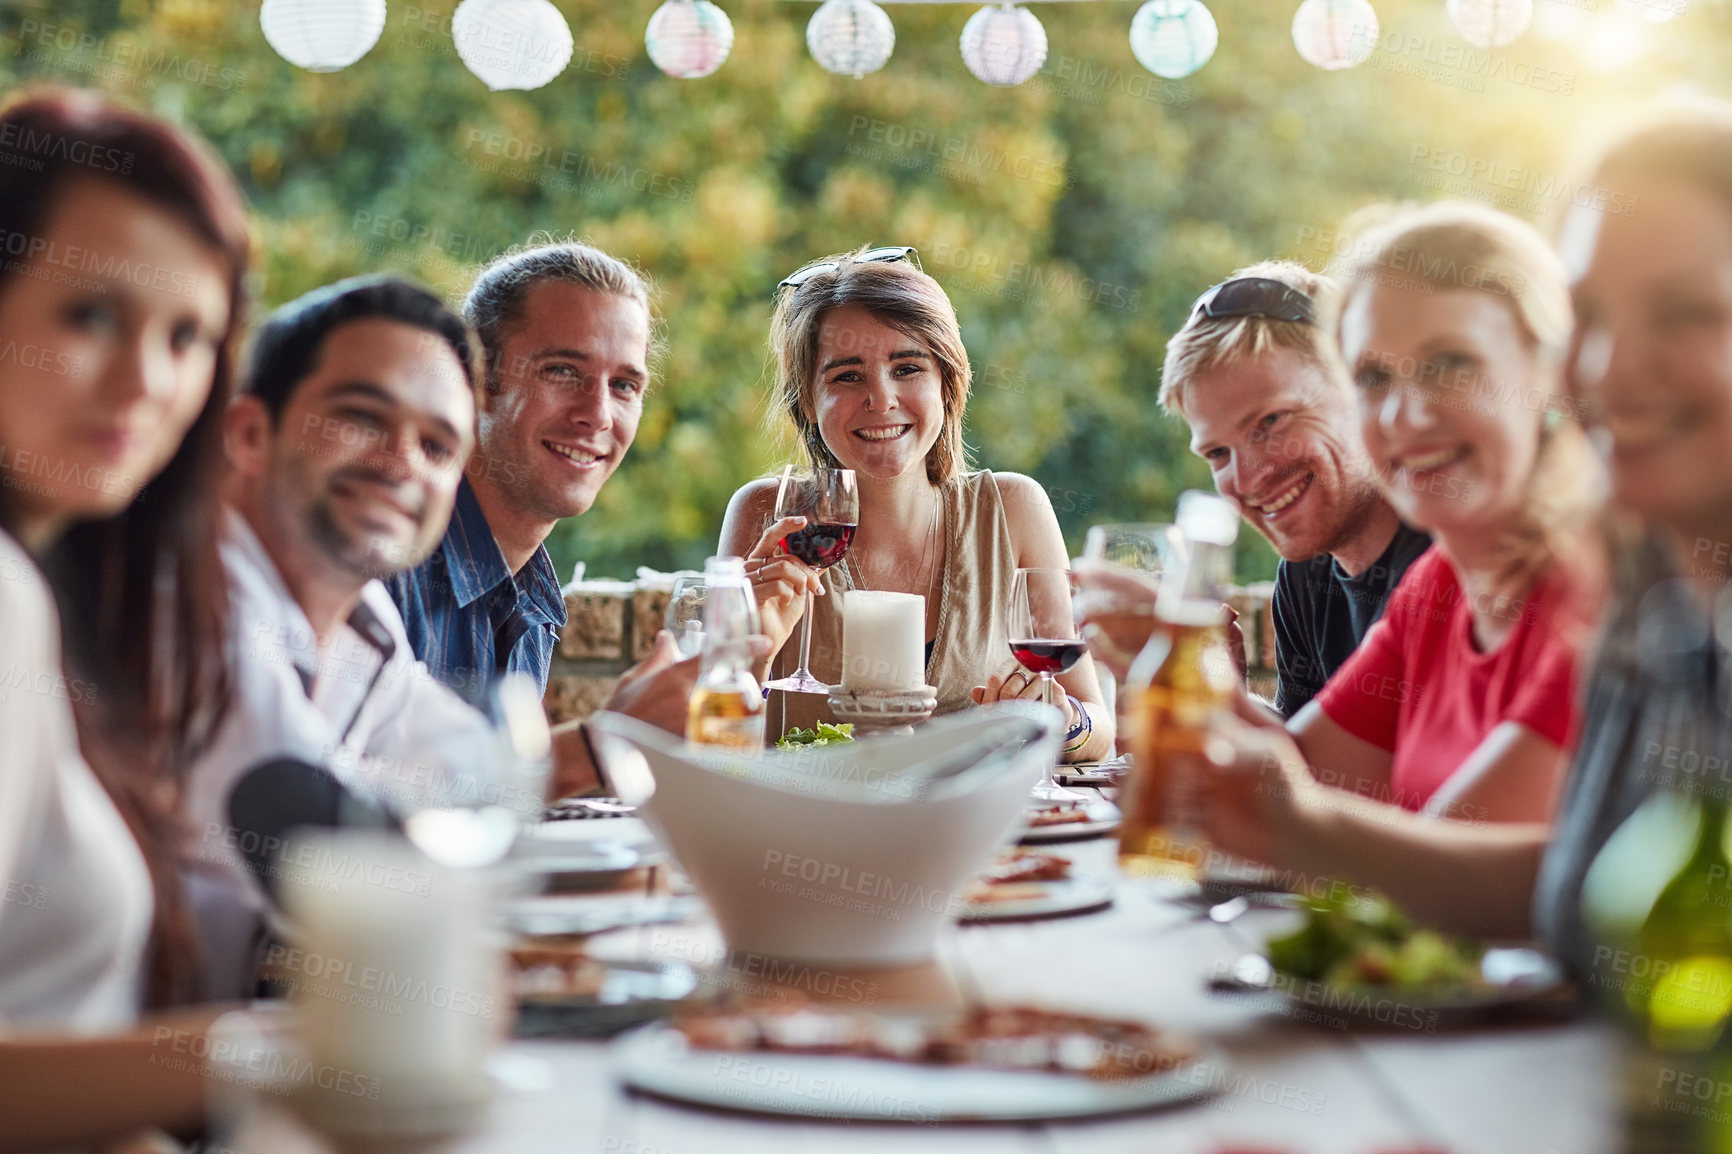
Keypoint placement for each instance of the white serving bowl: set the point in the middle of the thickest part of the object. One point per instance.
(846, 855)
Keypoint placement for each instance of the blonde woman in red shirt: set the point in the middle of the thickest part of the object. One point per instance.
(1453, 321)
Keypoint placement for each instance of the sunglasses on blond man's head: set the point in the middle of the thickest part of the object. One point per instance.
(890, 254)
(1255, 296)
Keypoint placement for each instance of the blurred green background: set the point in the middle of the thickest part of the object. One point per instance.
(1072, 220)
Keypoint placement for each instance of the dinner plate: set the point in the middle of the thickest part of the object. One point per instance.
(548, 836)
(1054, 899)
(586, 915)
(1516, 978)
(631, 993)
(658, 1060)
(1103, 818)
(582, 855)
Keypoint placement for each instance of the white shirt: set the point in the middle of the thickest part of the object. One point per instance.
(382, 724)
(75, 896)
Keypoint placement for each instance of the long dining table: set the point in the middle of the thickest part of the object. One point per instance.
(1543, 1085)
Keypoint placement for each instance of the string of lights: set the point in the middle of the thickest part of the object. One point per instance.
(525, 44)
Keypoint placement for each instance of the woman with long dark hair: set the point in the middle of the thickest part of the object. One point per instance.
(123, 253)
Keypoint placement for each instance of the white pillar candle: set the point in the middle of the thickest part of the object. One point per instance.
(883, 641)
(395, 971)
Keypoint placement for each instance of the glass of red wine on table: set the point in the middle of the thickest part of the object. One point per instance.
(830, 502)
(1044, 641)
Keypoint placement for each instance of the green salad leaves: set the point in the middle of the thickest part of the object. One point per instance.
(822, 734)
(1367, 941)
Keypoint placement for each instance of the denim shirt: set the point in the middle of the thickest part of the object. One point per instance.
(469, 618)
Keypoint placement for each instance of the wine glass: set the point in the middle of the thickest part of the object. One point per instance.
(685, 616)
(1044, 641)
(830, 502)
(1117, 579)
(479, 806)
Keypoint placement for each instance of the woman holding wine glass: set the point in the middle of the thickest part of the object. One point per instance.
(871, 371)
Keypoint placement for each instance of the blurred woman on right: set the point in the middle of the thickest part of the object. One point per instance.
(1651, 364)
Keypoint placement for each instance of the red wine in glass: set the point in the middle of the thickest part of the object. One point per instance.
(829, 500)
(1041, 625)
(820, 545)
(1048, 656)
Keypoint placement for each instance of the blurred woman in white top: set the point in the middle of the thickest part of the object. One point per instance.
(123, 248)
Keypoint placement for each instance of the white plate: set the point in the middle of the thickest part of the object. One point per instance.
(1104, 818)
(1057, 898)
(586, 914)
(631, 992)
(548, 835)
(658, 1060)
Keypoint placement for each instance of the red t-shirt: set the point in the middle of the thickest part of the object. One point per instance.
(1419, 687)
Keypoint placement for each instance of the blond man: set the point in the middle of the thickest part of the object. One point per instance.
(1271, 410)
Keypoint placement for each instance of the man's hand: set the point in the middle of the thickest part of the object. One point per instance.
(1251, 791)
(1235, 640)
(1115, 612)
(656, 689)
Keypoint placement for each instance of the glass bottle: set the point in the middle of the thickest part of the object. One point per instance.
(1658, 899)
(1181, 678)
(727, 706)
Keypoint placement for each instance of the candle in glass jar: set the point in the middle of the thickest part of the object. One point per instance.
(883, 641)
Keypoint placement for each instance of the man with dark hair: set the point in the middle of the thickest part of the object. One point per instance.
(567, 333)
(346, 447)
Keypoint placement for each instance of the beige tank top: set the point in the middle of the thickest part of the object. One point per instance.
(970, 644)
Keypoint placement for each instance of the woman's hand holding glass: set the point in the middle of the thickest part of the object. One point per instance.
(781, 582)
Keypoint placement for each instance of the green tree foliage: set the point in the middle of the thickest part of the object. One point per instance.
(1072, 220)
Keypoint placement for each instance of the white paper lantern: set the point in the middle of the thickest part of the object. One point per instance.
(689, 38)
(1173, 38)
(322, 35)
(1653, 11)
(1003, 46)
(850, 37)
(1490, 23)
(517, 44)
(1335, 34)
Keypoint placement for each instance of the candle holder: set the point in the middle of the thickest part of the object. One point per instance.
(874, 712)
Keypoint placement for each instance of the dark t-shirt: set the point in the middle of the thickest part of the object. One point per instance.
(1321, 614)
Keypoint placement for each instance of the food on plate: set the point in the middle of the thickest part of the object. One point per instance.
(821, 734)
(1015, 874)
(546, 968)
(1021, 864)
(1366, 940)
(1058, 813)
(984, 1037)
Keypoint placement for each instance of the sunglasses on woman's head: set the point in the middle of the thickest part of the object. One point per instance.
(1255, 296)
(887, 255)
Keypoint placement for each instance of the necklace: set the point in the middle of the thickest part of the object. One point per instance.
(858, 573)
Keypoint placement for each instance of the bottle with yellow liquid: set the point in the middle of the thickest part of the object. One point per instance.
(727, 706)
(1179, 682)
